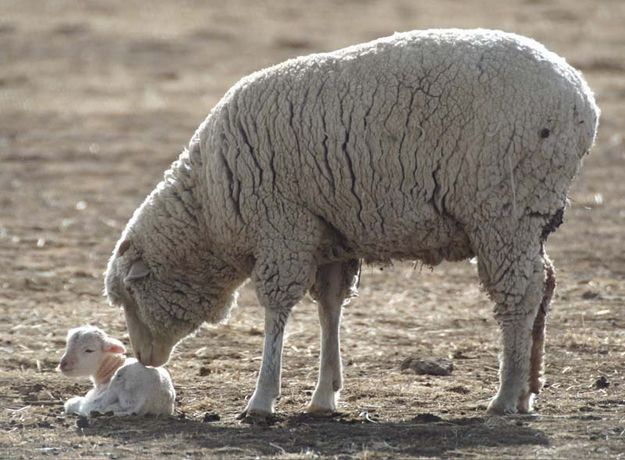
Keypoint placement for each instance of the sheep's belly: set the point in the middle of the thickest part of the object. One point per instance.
(429, 240)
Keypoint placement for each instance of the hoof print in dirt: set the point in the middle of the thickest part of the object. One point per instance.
(428, 366)
(427, 418)
(211, 417)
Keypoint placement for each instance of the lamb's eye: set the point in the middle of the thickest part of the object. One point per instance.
(88, 351)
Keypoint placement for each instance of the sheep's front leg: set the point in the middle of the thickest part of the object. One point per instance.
(268, 384)
(281, 280)
(334, 284)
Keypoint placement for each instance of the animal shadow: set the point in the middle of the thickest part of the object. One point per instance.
(341, 434)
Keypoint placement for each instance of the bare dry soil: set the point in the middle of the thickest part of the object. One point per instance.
(98, 97)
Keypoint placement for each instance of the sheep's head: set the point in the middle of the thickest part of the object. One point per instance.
(86, 347)
(165, 300)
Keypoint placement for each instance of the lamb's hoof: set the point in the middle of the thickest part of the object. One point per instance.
(319, 411)
(256, 417)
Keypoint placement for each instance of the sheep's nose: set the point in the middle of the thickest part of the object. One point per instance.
(63, 364)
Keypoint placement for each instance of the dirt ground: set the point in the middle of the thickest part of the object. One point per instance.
(98, 97)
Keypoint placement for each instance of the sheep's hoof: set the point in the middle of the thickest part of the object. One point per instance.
(319, 411)
(498, 407)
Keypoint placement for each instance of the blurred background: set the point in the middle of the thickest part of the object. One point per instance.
(98, 97)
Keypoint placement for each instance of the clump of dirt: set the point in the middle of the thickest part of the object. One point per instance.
(428, 366)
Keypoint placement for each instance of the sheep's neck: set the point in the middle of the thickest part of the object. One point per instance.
(110, 363)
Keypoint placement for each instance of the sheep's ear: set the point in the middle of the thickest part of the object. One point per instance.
(113, 346)
(138, 270)
(123, 247)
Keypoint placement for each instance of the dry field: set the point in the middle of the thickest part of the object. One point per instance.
(98, 97)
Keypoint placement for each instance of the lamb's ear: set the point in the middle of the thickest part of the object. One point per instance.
(112, 345)
(138, 270)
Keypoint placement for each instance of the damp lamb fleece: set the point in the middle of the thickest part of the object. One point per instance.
(432, 145)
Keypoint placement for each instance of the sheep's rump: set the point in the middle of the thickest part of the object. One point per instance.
(402, 143)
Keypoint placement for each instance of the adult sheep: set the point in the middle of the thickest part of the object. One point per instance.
(432, 145)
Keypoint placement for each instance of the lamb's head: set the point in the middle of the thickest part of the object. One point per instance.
(165, 298)
(86, 347)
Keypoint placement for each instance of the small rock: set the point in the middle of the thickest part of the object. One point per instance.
(589, 295)
(427, 418)
(211, 417)
(428, 366)
(602, 383)
(204, 371)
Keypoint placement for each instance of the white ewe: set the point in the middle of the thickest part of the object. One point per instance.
(432, 145)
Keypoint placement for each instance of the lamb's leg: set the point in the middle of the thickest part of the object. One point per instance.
(281, 280)
(334, 284)
(72, 405)
(538, 339)
(105, 402)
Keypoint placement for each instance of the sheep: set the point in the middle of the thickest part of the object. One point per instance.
(430, 145)
(120, 385)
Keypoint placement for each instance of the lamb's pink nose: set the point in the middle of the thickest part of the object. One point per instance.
(63, 365)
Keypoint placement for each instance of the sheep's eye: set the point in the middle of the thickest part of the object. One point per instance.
(88, 351)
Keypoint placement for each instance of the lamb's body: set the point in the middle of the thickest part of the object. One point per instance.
(427, 145)
(133, 390)
(122, 385)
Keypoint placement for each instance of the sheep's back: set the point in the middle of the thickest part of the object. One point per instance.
(401, 140)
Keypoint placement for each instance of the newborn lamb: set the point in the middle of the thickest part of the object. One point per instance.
(120, 385)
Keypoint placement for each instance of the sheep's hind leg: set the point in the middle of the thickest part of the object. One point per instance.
(513, 272)
(334, 285)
